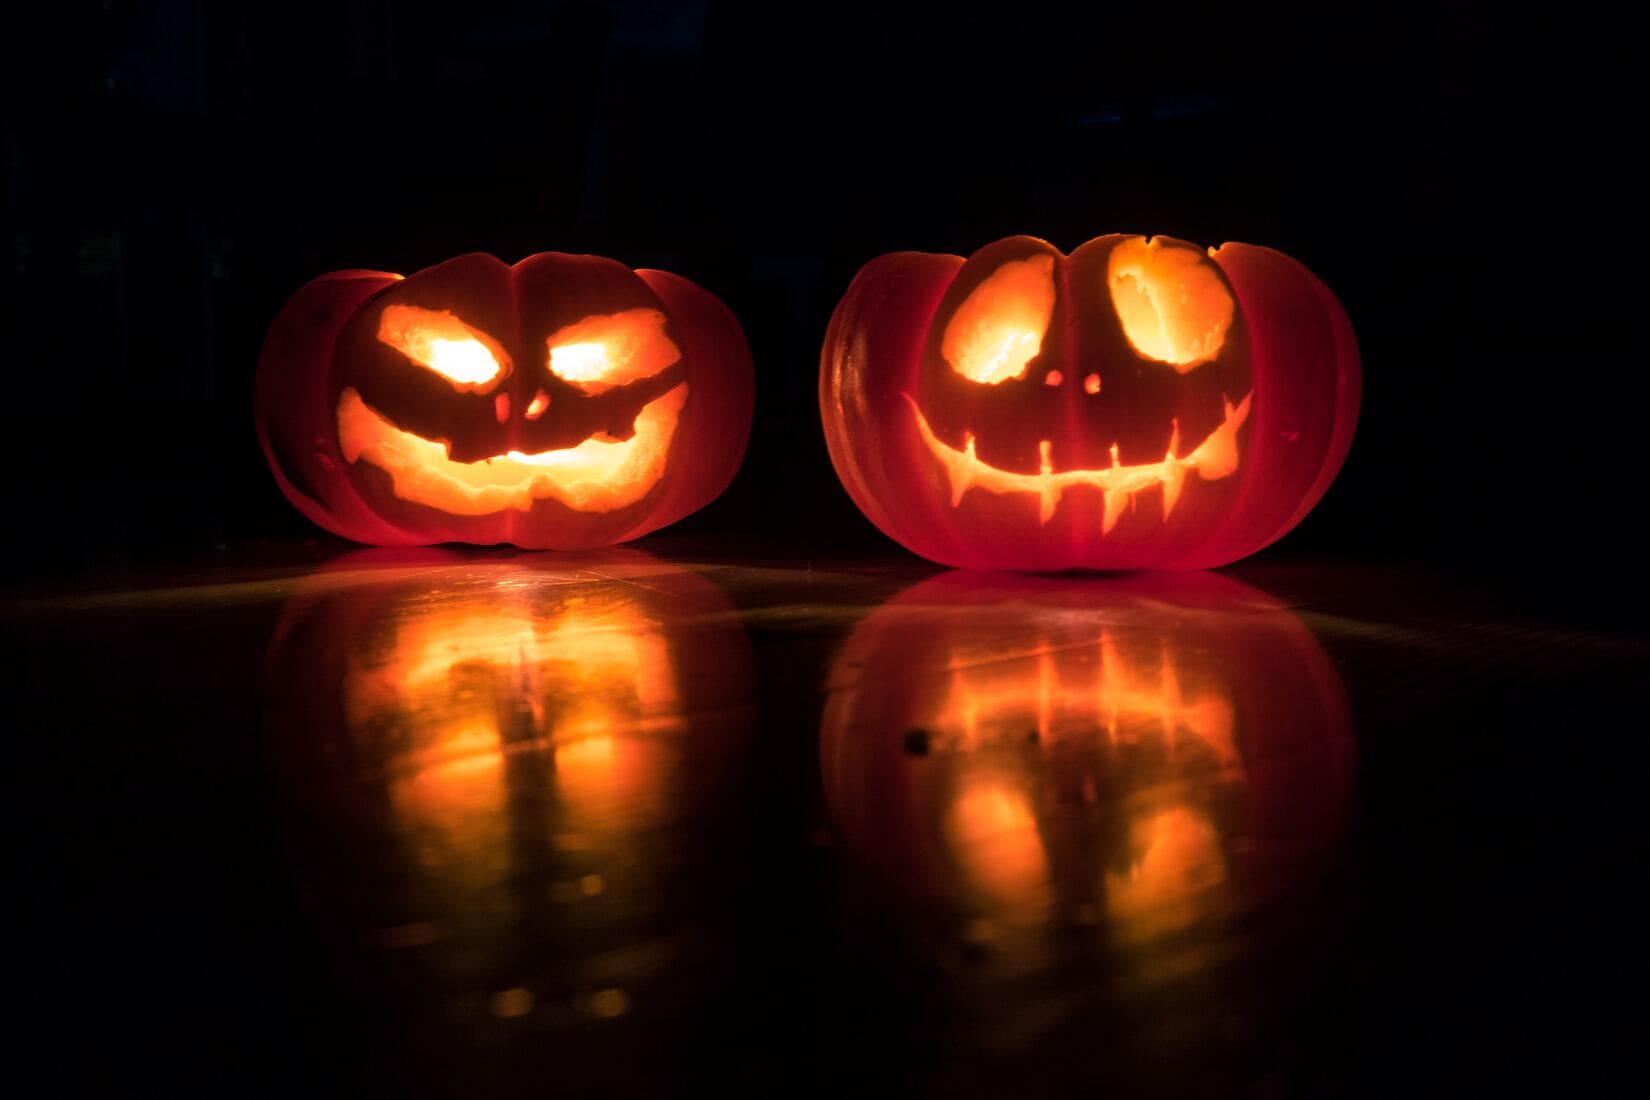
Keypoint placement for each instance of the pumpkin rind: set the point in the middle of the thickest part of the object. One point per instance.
(379, 447)
(1094, 453)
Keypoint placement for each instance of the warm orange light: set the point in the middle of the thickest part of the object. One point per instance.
(1176, 856)
(440, 342)
(1054, 687)
(587, 683)
(993, 832)
(1216, 457)
(1075, 697)
(598, 475)
(999, 328)
(1174, 306)
(1124, 695)
(611, 349)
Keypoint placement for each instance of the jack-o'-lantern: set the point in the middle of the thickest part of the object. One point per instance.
(1118, 761)
(501, 759)
(1136, 404)
(565, 402)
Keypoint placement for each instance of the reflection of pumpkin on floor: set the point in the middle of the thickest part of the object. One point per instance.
(507, 749)
(1136, 404)
(1114, 811)
(1135, 754)
(563, 403)
(584, 687)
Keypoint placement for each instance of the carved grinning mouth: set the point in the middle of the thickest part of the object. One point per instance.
(1216, 457)
(598, 475)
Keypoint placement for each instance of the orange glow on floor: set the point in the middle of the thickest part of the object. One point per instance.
(598, 475)
(1080, 695)
(994, 835)
(1173, 304)
(438, 341)
(586, 685)
(1124, 695)
(999, 327)
(1216, 457)
(611, 349)
(591, 665)
(1176, 857)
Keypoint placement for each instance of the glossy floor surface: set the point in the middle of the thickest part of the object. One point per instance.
(486, 824)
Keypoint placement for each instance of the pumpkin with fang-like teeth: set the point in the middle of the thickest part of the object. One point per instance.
(1137, 404)
(565, 402)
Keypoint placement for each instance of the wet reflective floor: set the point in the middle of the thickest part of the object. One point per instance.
(443, 823)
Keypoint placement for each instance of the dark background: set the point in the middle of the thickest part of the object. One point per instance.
(1459, 177)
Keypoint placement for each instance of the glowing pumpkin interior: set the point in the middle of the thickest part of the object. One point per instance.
(1174, 310)
(1000, 328)
(444, 344)
(594, 356)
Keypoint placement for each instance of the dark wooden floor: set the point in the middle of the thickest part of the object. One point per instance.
(497, 824)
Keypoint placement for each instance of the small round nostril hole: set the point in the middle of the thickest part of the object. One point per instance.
(1091, 384)
(501, 407)
(536, 407)
(1053, 378)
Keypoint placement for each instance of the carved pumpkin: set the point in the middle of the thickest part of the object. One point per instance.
(1131, 756)
(1137, 404)
(492, 754)
(566, 402)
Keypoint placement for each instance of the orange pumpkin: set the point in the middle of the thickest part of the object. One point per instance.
(1136, 404)
(566, 402)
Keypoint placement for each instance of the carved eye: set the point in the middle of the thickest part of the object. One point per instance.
(999, 328)
(440, 342)
(1174, 306)
(611, 349)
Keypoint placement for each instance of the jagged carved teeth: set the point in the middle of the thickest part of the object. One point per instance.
(1216, 457)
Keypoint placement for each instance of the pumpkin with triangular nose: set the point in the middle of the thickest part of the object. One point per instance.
(564, 402)
(1139, 403)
